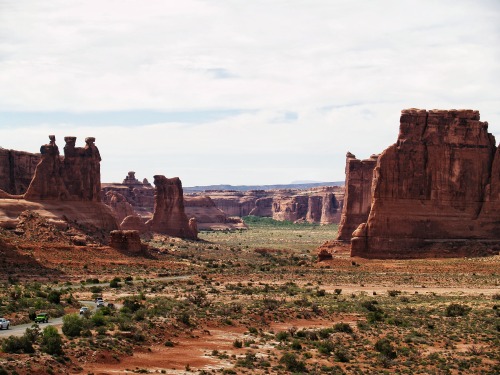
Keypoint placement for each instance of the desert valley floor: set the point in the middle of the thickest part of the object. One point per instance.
(253, 301)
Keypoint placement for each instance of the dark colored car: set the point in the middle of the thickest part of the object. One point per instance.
(42, 318)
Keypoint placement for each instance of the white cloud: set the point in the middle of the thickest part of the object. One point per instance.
(345, 68)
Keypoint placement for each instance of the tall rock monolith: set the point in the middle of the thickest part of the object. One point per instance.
(169, 216)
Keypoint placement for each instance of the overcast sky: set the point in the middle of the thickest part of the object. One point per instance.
(239, 91)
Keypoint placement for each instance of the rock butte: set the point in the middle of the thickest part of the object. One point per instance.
(436, 191)
(169, 216)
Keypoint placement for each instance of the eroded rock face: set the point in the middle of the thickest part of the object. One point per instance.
(207, 215)
(126, 240)
(169, 216)
(358, 197)
(76, 177)
(437, 187)
(16, 170)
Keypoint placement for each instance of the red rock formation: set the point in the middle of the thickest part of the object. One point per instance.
(134, 222)
(77, 177)
(119, 205)
(263, 207)
(207, 215)
(358, 197)
(16, 170)
(290, 208)
(436, 191)
(54, 194)
(126, 240)
(169, 216)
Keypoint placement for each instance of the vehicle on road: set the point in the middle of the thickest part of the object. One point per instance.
(42, 318)
(4, 323)
(83, 310)
(99, 299)
(100, 303)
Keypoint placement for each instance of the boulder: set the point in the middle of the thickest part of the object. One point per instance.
(126, 240)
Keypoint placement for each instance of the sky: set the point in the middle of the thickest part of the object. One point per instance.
(236, 91)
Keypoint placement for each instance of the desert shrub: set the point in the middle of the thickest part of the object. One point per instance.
(51, 342)
(342, 327)
(238, 343)
(326, 347)
(456, 309)
(338, 291)
(371, 305)
(33, 333)
(169, 344)
(54, 297)
(282, 336)
(131, 304)
(393, 293)
(292, 364)
(384, 346)
(96, 289)
(296, 345)
(98, 319)
(17, 345)
(72, 325)
(115, 283)
(496, 297)
(341, 354)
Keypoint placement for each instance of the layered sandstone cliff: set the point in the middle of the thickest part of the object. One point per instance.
(208, 216)
(358, 194)
(64, 190)
(436, 191)
(169, 216)
(16, 170)
(315, 205)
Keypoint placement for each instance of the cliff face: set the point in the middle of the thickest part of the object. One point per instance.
(16, 170)
(169, 216)
(316, 205)
(76, 177)
(63, 190)
(358, 194)
(207, 215)
(438, 184)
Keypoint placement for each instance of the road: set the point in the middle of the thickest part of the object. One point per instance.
(19, 329)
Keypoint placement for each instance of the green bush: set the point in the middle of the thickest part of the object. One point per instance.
(342, 327)
(51, 342)
(17, 345)
(456, 309)
(292, 364)
(384, 346)
(72, 325)
(54, 297)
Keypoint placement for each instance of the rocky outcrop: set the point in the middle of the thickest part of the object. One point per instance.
(56, 194)
(134, 222)
(207, 215)
(126, 240)
(16, 170)
(315, 205)
(358, 197)
(169, 216)
(436, 191)
(76, 177)
(119, 205)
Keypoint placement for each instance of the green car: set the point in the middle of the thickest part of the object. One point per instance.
(42, 318)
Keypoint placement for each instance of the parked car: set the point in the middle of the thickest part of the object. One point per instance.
(99, 299)
(42, 318)
(100, 303)
(4, 323)
(83, 310)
